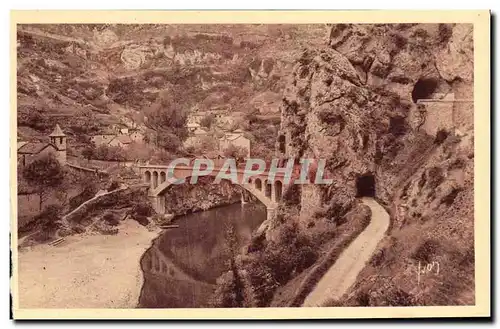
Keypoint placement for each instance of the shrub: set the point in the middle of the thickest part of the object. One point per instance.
(109, 153)
(208, 120)
(450, 197)
(49, 219)
(111, 219)
(143, 220)
(257, 243)
(113, 186)
(45, 173)
(441, 136)
(445, 32)
(398, 297)
(298, 248)
(142, 209)
(434, 177)
(426, 251)
(262, 278)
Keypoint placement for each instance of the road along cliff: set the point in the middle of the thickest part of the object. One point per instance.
(343, 273)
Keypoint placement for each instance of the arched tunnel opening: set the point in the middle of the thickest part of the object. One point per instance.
(424, 88)
(365, 186)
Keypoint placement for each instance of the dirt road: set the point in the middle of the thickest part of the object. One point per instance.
(343, 273)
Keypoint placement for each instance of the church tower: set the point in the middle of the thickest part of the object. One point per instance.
(58, 139)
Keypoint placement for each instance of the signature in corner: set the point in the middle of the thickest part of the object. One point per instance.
(432, 267)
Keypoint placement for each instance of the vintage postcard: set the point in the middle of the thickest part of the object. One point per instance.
(251, 164)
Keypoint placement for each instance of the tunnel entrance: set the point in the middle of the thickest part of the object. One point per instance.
(424, 88)
(365, 186)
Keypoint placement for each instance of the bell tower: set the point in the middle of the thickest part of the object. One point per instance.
(58, 139)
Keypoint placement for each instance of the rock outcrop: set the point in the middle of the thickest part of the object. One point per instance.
(361, 103)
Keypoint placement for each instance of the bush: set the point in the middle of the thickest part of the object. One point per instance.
(434, 177)
(426, 251)
(49, 219)
(298, 248)
(109, 153)
(445, 32)
(208, 120)
(113, 186)
(143, 220)
(142, 209)
(441, 136)
(111, 219)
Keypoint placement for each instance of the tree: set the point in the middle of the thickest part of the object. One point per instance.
(49, 220)
(207, 121)
(46, 173)
(168, 122)
(230, 291)
(237, 152)
(109, 153)
(88, 152)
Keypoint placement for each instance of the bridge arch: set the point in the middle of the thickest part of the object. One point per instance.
(265, 200)
(268, 188)
(147, 176)
(155, 179)
(258, 184)
(278, 190)
(163, 177)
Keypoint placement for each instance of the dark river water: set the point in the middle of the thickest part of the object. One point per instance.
(181, 267)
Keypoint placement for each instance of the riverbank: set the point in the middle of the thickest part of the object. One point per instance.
(86, 271)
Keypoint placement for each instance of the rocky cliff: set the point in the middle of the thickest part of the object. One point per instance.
(389, 107)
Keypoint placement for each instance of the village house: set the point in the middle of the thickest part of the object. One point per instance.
(27, 152)
(123, 137)
(104, 138)
(195, 138)
(195, 117)
(136, 136)
(235, 138)
(121, 141)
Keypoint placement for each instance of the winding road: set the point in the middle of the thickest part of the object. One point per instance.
(353, 259)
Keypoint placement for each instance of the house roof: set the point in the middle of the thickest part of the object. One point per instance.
(124, 139)
(200, 131)
(232, 137)
(21, 144)
(57, 132)
(33, 148)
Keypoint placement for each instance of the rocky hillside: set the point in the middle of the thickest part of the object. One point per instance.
(92, 76)
(355, 102)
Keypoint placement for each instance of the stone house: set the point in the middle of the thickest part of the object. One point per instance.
(196, 136)
(105, 138)
(27, 152)
(121, 141)
(235, 138)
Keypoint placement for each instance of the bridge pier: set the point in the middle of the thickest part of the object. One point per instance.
(158, 203)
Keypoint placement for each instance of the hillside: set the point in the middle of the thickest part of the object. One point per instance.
(89, 77)
(389, 107)
(361, 93)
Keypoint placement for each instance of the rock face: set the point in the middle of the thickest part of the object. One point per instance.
(187, 198)
(360, 103)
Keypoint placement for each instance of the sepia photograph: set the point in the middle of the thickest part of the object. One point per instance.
(304, 167)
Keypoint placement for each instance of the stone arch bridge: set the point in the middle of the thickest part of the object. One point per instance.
(260, 186)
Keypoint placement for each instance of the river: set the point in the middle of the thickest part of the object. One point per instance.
(181, 267)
